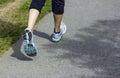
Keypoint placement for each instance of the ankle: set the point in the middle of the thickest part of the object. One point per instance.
(29, 29)
(56, 31)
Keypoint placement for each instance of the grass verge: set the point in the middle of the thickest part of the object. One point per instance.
(3, 1)
(11, 31)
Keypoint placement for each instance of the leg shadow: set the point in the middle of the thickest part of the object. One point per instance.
(17, 46)
(42, 34)
(17, 51)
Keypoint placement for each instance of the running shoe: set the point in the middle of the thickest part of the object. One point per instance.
(57, 36)
(29, 46)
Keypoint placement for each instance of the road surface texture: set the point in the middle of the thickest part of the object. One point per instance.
(89, 49)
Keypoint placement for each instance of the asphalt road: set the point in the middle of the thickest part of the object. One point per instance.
(89, 49)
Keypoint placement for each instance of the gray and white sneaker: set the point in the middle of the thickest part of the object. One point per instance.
(56, 37)
(29, 46)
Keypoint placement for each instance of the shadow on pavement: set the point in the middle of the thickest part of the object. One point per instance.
(97, 48)
(42, 34)
(17, 51)
(17, 47)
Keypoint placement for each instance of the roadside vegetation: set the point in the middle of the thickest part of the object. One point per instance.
(3, 1)
(10, 31)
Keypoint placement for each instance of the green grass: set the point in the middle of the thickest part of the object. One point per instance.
(10, 32)
(21, 16)
(3, 1)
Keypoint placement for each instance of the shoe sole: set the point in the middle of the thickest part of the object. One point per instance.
(65, 28)
(55, 40)
(30, 50)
